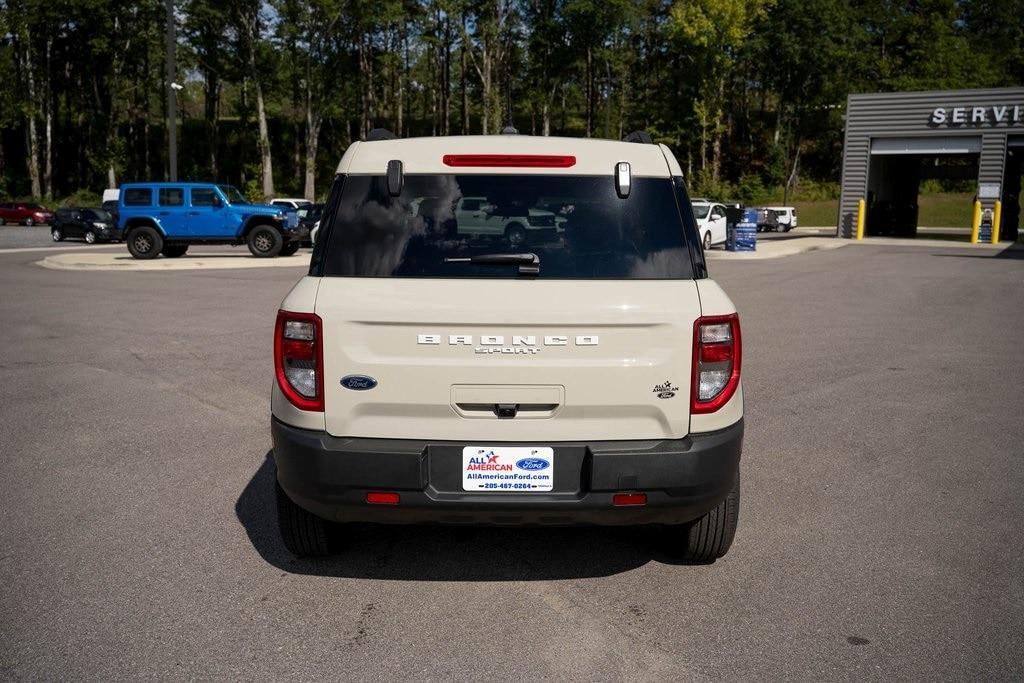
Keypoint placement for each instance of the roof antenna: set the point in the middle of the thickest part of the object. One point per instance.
(510, 127)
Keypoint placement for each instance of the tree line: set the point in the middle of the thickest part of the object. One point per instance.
(747, 93)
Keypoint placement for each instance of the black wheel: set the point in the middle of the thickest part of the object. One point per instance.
(264, 241)
(290, 249)
(89, 237)
(174, 250)
(516, 235)
(707, 241)
(29, 222)
(303, 533)
(708, 538)
(57, 234)
(145, 242)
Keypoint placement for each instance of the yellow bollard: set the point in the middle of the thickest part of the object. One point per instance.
(860, 219)
(976, 221)
(997, 217)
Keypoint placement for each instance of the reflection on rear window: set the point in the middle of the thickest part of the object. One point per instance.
(577, 225)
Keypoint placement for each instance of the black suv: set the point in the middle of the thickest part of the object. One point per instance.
(91, 225)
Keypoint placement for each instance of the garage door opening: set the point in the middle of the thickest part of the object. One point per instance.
(901, 167)
(1010, 223)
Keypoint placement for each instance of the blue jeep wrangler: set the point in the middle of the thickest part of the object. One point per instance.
(165, 218)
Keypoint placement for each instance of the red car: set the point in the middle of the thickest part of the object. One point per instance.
(26, 214)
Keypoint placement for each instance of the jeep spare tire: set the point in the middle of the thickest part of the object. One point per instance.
(145, 242)
(264, 241)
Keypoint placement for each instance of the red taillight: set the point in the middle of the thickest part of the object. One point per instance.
(509, 160)
(629, 499)
(716, 362)
(299, 359)
(382, 498)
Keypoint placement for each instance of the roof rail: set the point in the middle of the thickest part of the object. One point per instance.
(641, 136)
(380, 134)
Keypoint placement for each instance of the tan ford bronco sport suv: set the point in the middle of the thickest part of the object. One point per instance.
(589, 375)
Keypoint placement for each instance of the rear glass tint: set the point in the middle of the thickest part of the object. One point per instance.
(138, 196)
(578, 226)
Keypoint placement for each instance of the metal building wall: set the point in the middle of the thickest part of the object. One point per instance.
(909, 114)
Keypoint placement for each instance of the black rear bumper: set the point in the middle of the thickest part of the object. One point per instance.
(330, 477)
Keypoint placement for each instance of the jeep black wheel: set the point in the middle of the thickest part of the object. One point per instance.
(708, 538)
(264, 241)
(145, 242)
(290, 249)
(174, 250)
(57, 234)
(516, 235)
(303, 533)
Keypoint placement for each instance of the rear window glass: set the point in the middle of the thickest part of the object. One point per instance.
(138, 196)
(578, 227)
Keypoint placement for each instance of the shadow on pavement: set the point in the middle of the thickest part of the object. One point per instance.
(455, 553)
(1012, 252)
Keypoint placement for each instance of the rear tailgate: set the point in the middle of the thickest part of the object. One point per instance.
(583, 360)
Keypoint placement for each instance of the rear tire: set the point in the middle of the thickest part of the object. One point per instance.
(709, 537)
(303, 533)
(707, 241)
(89, 237)
(29, 223)
(264, 241)
(174, 250)
(516, 235)
(57, 234)
(145, 242)
(290, 249)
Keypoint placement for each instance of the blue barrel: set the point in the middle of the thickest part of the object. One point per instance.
(743, 236)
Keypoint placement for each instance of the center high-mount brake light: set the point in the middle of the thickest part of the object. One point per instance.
(716, 362)
(299, 359)
(509, 160)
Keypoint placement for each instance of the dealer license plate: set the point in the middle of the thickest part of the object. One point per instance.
(508, 469)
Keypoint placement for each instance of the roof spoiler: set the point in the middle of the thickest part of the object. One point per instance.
(380, 134)
(641, 136)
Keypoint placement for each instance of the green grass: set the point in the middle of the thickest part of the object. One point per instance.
(941, 210)
(947, 210)
(817, 214)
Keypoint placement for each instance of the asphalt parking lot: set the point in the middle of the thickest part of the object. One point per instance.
(879, 529)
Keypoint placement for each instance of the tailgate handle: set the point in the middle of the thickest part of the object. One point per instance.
(507, 411)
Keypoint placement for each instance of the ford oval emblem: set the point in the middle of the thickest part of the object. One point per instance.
(358, 382)
(532, 464)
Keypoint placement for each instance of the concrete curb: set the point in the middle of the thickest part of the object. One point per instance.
(771, 249)
(122, 261)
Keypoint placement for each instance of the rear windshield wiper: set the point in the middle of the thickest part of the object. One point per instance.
(529, 264)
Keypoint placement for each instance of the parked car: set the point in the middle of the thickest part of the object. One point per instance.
(480, 217)
(767, 220)
(711, 223)
(89, 224)
(165, 218)
(309, 218)
(288, 203)
(24, 213)
(592, 379)
(785, 217)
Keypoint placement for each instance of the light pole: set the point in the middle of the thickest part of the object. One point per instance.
(172, 97)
